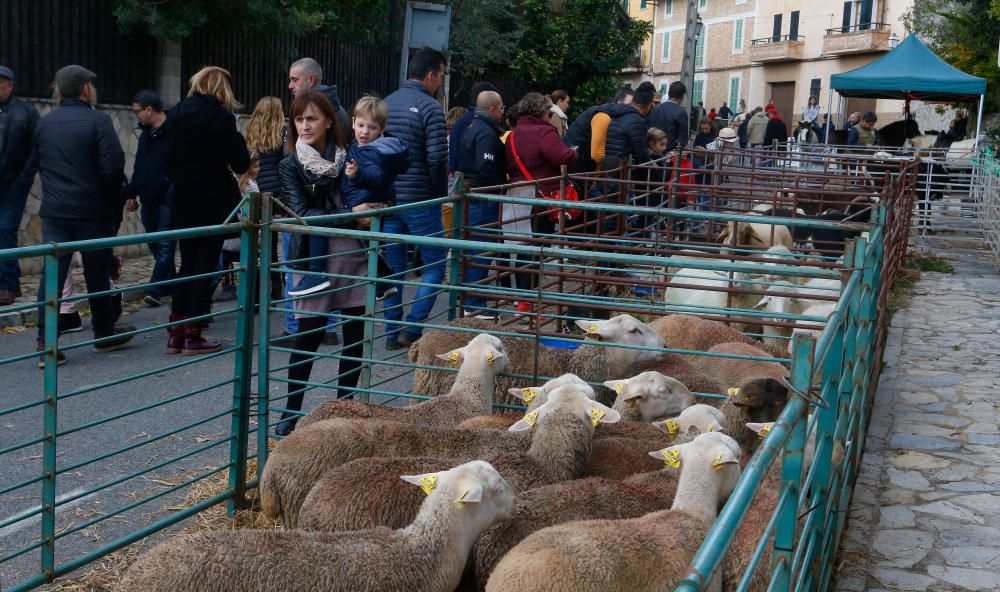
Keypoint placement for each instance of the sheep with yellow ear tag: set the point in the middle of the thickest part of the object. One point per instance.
(649, 395)
(647, 554)
(560, 430)
(694, 420)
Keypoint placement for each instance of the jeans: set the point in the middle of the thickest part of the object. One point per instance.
(481, 213)
(96, 268)
(12, 200)
(292, 323)
(156, 218)
(417, 222)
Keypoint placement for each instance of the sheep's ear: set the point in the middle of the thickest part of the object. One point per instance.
(670, 456)
(427, 481)
(762, 429)
(592, 328)
(455, 356)
(714, 426)
(472, 495)
(675, 386)
(527, 422)
(526, 394)
(762, 303)
(493, 355)
(723, 458)
(620, 387)
(668, 426)
(602, 414)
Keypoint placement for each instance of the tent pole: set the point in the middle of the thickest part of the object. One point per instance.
(829, 116)
(979, 121)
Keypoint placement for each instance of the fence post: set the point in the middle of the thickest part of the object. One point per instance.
(243, 365)
(457, 259)
(791, 463)
(50, 423)
(264, 348)
(368, 347)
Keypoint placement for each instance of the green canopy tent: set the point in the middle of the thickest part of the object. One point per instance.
(911, 71)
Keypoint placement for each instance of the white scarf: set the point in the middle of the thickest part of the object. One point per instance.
(313, 162)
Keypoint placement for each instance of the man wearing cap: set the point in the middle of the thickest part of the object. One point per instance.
(82, 168)
(17, 124)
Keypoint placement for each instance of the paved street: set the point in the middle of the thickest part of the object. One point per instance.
(926, 511)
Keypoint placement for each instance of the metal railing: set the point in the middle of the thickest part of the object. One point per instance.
(778, 39)
(637, 229)
(984, 194)
(857, 29)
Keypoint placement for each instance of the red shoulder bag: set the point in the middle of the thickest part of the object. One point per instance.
(571, 192)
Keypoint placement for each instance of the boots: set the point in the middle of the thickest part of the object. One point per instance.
(175, 341)
(195, 344)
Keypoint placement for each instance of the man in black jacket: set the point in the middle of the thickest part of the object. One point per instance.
(671, 117)
(481, 158)
(150, 184)
(627, 132)
(463, 123)
(307, 74)
(82, 166)
(17, 124)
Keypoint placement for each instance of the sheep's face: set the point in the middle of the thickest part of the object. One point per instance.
(764, 399)
(474, 484)
(536, 396)
(626, 330)
(484, 348)
(653, 394)
(572, 400)
(694, 420)
(709, 450)
(778, 301)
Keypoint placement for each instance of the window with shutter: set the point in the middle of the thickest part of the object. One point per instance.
(865, 18)
(699, 48)
(665, 49)
(793, 26)
(702, 4)
(776, 33)
(738, 35)
(668, 7)
(845, 26)
(698, 93)
(642, 4)
(734, 91)
(815, 87)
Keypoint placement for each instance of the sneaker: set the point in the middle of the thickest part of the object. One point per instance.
(116, 267)
(60, 357)
(151, 301)
(484, 315)
(387, 293)
(392, 344)
(524, 308)
(406, 339)
(331, 338)
(308, 285)
(69, 322)
(115, 342)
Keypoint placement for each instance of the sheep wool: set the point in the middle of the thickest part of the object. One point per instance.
(681, 331)
(430, 554)
(649, 395)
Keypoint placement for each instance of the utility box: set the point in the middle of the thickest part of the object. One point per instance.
(427, 25)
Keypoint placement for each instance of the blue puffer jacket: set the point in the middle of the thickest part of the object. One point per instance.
(418, 121)
(626, 135)
(379, 163)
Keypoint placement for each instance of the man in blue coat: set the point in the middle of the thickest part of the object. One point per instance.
(17, 125)
(416, 118)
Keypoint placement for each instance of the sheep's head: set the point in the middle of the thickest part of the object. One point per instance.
(475, 482)
(653, 394)
(763, 398)
(484, 348)
(569, 399)
(694, 420)
(779, 300)
(626, 330)
(535, 396)
(711, 449)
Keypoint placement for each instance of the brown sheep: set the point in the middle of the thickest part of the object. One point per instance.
(682, 331)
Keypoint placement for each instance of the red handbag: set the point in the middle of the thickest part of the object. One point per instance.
(571, 193)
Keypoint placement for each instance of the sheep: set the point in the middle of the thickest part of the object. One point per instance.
(700, 380)
(650, 553)
(696, 419)
(695, 293)
(755, 235)
(298, 461)
(786, 298)
(532, 396)
(687, 332)
(560, 450)
(590, 362)
(822, 310)
(429, 554)
(471, 394)
(649, 395)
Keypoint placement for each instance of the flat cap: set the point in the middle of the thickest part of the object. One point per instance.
(6, 72)
(70, 80)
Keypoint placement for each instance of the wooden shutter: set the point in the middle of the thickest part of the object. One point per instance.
(776, 34)
(793, 25)
(846, 24)
(865, 19)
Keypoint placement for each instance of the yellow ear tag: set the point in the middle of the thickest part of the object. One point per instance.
(428, 483)
(592, 328)
(764, 431)
(458, 500)
(710, 428)
(454, 357)
(596, 415)
(672, 428)
(489, 358)
(733, 391)
(672, 457)
(531, 418)
(619, 387)
(528, 394)
(717, 463)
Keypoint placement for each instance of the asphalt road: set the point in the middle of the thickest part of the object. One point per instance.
(22, 383)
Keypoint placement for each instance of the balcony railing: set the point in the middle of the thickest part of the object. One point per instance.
(778, 39)
(778, 48)
(864, 38)
(863, 27)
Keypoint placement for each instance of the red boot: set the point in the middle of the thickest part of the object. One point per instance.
(175, 341)
(195, 344)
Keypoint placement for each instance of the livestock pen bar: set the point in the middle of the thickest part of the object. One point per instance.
(99, 454)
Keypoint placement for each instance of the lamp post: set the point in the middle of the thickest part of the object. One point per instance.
(893, 41)
(691, 34)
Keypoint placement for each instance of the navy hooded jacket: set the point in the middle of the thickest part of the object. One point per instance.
(379, 162)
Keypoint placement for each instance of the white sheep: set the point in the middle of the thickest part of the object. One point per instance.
(650, 553)
(429, 554)
(479, 361)
(696, 419)
(787, 298)
(531, 396)
(649, 396)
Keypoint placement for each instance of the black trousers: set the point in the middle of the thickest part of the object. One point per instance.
(198, 256)
(308, 338)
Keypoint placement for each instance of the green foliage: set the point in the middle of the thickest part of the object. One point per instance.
(964, 33)
(484, 36)
(929, 262)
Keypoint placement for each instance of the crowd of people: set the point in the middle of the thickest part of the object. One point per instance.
(193, 165)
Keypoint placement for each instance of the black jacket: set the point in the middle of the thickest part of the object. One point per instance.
(579, 135)
(204, 149)
(481, 155)
(82, 164)
(417, 119)
(268, 179)
(309, 195)
(455, 138)
(775, 131)
(17, 126)
(626, 135)
(343, 118)
(149, 178)
(673, 120)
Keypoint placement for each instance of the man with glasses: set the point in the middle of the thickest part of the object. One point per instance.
(150, 184)
(416, 118)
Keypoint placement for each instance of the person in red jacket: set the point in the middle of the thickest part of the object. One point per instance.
(534, 151)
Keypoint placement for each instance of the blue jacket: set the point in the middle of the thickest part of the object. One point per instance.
(379, 163)
(81, 161)
(149, 177)
(418, 121)
(456, 137)
(626, 135)
(17, 126)
(481, 155)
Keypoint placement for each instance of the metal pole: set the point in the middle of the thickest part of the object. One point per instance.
(457, 262)
(829, 117)
(979, 120)
(264, 349)
(690, 46)
(368, 347)
(50, 425)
